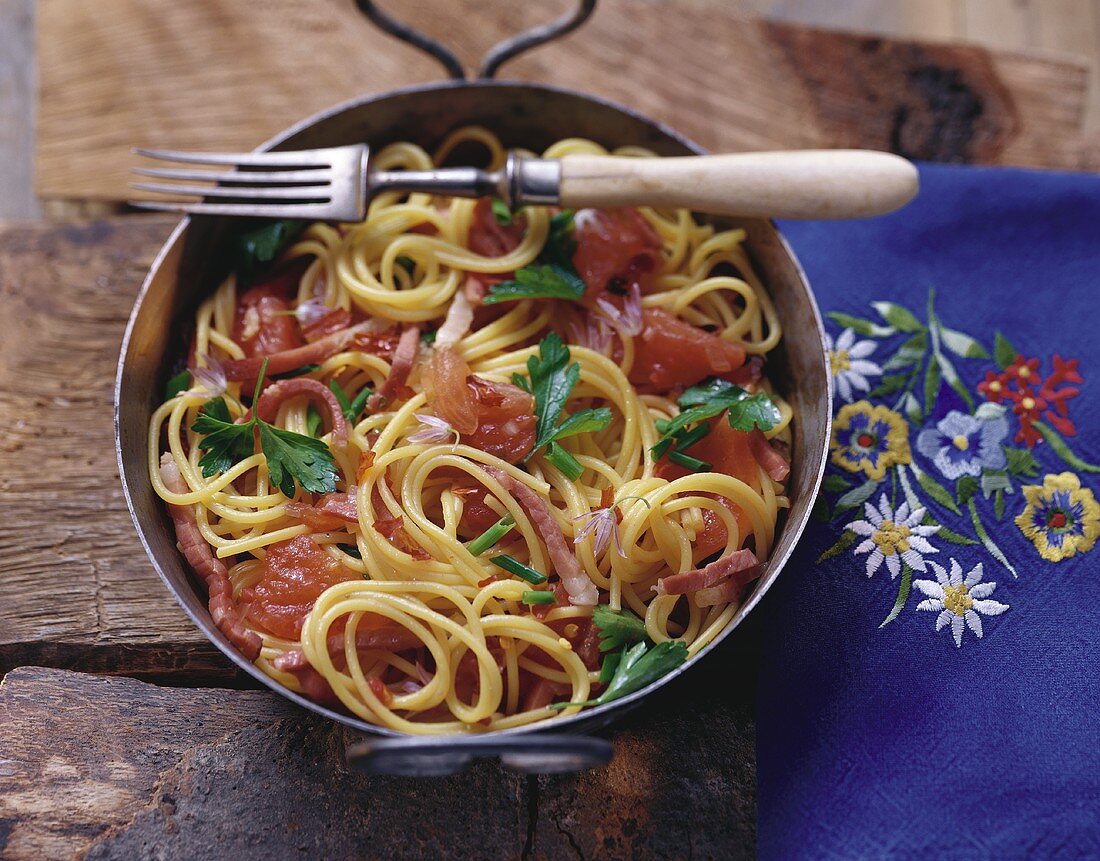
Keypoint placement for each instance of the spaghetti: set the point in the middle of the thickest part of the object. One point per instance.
(518, 516)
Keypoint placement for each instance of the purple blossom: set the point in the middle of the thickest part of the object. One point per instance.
(209, 377)
(433, 429)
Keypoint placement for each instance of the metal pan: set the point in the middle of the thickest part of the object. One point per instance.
(191, 264)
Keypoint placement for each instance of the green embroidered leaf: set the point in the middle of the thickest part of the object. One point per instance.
(1059, 447)
(1003, 352)
(979, 529)
(962, 345)
(999, 504)
(889, 385)
(820, 512)
(834, 483)
(1021, 462)
(951, 535)
(861, 326)
(903, 595)
(995, 481)
(899, 317)
(965, 488)
(952, 377)
(909, 353)
(846, 540)
(937, 491)
(911, 407)
(931, 384)
(856, 496)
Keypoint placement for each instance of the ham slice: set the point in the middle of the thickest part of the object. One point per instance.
(275, 394)
(582, 591)
(362, 336)
(460, 316)
(740, 564)
(202, 560)
(774, 464)
(331, 511)
(403, 358)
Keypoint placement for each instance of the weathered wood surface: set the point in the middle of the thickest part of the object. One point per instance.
(75, 587)
(240, 72)
(108, 768)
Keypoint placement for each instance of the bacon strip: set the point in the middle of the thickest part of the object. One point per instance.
(331, 512)
(775, 465)
(314, 685)
(203, 561)
(403, 358)
(318, 351)
(726, 591)
(275, 394)
(738, 562)
(460, 316)
(582, 591)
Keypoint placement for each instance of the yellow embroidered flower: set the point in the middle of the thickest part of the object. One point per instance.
(869, 439)
(1061, 518)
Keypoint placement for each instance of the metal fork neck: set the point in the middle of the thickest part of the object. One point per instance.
(522, 181)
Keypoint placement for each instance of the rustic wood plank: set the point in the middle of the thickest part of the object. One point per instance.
(239, 72)
(115, 768)
(76, 589)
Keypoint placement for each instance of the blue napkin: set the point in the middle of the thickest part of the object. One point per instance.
(929, 683)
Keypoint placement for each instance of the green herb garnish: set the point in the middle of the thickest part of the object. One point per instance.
(617, 627)
(539, 598)
(351, 549)
(710, 399)
(514, 566)
(313, 421)
(290, 456)
(491, 535)
(351, 409)
(501, 212)
(297, 372)
(608, 667)
(552, 276)
(428, 337)
(181, 382)
(639, 666)
(260, 246)
(689, 462)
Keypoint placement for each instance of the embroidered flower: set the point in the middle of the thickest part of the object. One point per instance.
(1061, 518)
(960, 444)
(848, 363)
(869, 439)
(433, 429)
(957, 601)
(210, 377)
(893, 537)
(1033, 398)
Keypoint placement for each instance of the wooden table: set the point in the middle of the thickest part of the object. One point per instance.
(126, 734)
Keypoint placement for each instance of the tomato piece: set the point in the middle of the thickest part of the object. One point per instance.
(489, 238)
(265, 322)
(505, 420)
(616, 248)
(333, 321)
(295, 574)
(728, 451)
(672, 353)
(448, 392)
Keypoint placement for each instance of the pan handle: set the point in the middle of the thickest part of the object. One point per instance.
(499, 54)
(438, 756)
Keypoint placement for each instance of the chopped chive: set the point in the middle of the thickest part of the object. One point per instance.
(501, 211)
(609, 665)
(429, 336)
(570, 467)
(179, 383)
(345, 404)
(686, 439)
(313, 421)
(514, 566)
(359, 404)
(297, 372)
(688, 462)
(660, 448)
(662, 426)
(491, 535)
(351, 550)
(539, 598)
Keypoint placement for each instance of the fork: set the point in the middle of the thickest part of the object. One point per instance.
(337, 183)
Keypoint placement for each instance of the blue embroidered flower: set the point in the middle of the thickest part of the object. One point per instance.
(960, 444)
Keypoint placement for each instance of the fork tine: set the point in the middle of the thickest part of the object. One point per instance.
(305, 158)
(318, 193)
(318, 211)
(283, 176)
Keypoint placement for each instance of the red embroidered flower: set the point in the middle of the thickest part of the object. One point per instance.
(1033, 398)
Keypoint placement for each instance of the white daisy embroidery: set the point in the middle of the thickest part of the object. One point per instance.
(957, 601)
(893, 537)
(849, 365)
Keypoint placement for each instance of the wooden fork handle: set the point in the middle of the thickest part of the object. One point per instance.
(817, 184)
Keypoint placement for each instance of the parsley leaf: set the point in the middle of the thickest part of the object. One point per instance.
(553, 379)
(560, 244)
(711, 398)
(262, 245)
(617, 627)
(584, 421)
(501, 212)
(294, 456)
(537, 282)
(639, 666)
(290, 456)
